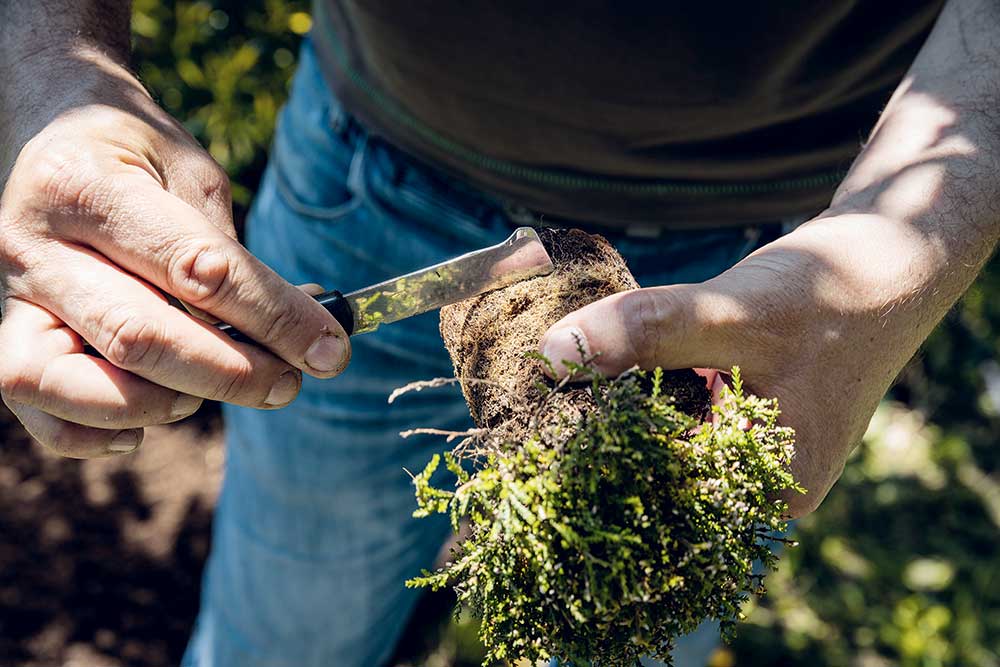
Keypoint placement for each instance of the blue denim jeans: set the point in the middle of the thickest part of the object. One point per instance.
(313, 535)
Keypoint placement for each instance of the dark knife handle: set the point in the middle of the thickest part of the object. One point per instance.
(333, 301)
(338, 306)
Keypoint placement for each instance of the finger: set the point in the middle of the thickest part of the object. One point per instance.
(73, 440)
(679, 326)
(709, 374)
(718, 382)
(131, 325)
(312, 289)
(207, 188)
(176, 249)
(43, 367)
(90, 391)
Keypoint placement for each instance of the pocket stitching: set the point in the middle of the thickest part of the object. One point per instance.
(295, 203)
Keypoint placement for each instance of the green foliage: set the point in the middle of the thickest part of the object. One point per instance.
(899, 565)
(601, 541)
(222, 68)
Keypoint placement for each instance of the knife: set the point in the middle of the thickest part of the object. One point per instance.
(520, 257)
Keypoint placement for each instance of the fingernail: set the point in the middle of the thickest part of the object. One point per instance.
(184, 405)
(284, 390)
(565, 345)
(326, 354)
(125, 441)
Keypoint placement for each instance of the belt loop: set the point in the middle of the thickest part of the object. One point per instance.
(520, 215)
(356, 172)
(643, 231)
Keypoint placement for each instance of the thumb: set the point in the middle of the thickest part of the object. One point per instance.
(676, 326)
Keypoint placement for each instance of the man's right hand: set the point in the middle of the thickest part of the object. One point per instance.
(110, 205)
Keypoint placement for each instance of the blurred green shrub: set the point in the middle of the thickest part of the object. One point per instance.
(222, 68)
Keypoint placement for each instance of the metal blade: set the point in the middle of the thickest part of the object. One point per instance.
(520, 257)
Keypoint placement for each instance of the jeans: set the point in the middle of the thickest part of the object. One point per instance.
(313, 534)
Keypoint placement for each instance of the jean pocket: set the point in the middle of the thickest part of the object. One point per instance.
(317, 188)
(401, 187)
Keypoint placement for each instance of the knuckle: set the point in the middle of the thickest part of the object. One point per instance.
(281, 324)
(18, 383)
(236, 385)
(57, 189)
(214, 181)
(56, 178)
(12, 247)
(10, 244)
(27, 248)
(19, 375)
(200, 273)
(132, 343)
(13, 225)
(643, 314)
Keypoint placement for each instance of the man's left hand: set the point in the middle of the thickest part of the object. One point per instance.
(822, 319)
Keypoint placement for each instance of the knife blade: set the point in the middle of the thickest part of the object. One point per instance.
(518, 258)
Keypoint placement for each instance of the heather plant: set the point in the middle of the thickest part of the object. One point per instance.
(601, 537)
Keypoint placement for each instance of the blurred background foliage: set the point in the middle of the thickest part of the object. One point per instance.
(223, 69)
(900, 566)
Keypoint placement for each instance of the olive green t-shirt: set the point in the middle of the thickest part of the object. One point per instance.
(664, 113)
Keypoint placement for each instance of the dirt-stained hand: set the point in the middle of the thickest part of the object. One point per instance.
(109, 206)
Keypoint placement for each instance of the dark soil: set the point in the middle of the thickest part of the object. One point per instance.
(100, 560)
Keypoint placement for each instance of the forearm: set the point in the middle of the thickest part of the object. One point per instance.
(919, 213)
(932, 166)
(53, 53)
(825, 317)
(837, 307)
(32, 27)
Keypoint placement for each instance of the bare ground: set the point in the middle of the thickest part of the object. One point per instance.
(100, 561)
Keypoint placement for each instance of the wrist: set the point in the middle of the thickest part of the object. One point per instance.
(53, 80)
(865, 288)
(860, 262)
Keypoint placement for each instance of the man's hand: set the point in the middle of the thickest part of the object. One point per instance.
(826, 317)
(109, 206)
(804, 318)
